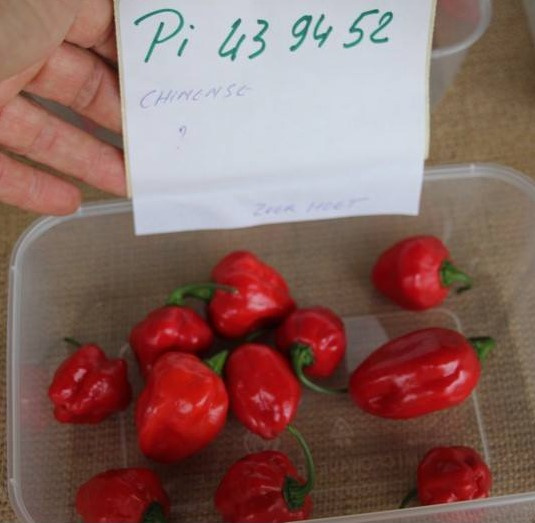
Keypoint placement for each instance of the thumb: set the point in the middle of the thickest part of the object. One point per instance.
(30, 30)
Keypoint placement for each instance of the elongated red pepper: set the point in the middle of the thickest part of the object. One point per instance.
(174, 327)
(132, 495)
(262, 297)
(264, 393)
(450, 474)
(421, 372)
(316, 340)
(183, 406)
(88, 386)
(265, 488)
(417, 273)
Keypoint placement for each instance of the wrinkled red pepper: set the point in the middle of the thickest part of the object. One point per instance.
(265, 488)
(264, 393)
(421, 372)
(174, 327)
(183, 406)
(417, 273)
(316, 341)
(88, 386)
(262, 297)
(132, 495)
(450, 474)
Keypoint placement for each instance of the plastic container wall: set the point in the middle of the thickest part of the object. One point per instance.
(459, 24)
(89, 277)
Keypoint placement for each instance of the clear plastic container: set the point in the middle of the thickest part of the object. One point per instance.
(90, 277)
(459, 24)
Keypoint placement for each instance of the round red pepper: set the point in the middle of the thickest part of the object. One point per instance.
(88, 386)
(417, 273)
(449, 474)
(123, 495)
(174, 327)
(265, 488)
(264, 393)
(316, 340)
(421, 372)
(183, 406)
(262, 297)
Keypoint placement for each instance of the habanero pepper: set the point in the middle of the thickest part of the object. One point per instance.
(264, 393)
(422, 372)
(183, 406)
(261, 299)
(417, 273)
(316, 340)
(450, 474)
(88, 386)
(265, 488)
(174, 327)
(130, 495)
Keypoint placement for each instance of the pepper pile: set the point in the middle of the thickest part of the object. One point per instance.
(185, 401)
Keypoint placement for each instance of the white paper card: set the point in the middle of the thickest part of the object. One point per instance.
(247, 112)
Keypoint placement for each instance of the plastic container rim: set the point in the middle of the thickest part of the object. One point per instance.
(42, 225)
(463, 45)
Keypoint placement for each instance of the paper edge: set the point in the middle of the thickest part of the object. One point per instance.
(122, 94)
(428, 78)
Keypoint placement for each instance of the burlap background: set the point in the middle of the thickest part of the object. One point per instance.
(488, 116)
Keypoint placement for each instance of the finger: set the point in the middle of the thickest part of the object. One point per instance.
(94, 27)
(12, 86)
(29, 130)
(30, 30)
(79, 79)
(34, 190)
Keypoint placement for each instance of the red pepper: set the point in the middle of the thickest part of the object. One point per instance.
(316, 340)
(133, 495)
(262, 297)
(264, 393)
(450, 474)
(417, 273)
(265, 488)
(421, 372)
(174, 327)
(183, 406)
(88, 386)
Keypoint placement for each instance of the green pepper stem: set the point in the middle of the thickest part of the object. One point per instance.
(201, 291)
(293, 490)
(72, 341)
(450, 275)
(412, 495)
(301, 355)
(483, 346)
(217, 361)
(154, 514)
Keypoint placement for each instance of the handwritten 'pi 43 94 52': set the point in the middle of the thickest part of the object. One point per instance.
(175, 30)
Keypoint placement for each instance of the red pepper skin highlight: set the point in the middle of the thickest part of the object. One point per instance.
(416, 273)
(419, 373)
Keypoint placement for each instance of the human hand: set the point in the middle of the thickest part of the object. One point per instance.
(56, 49)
